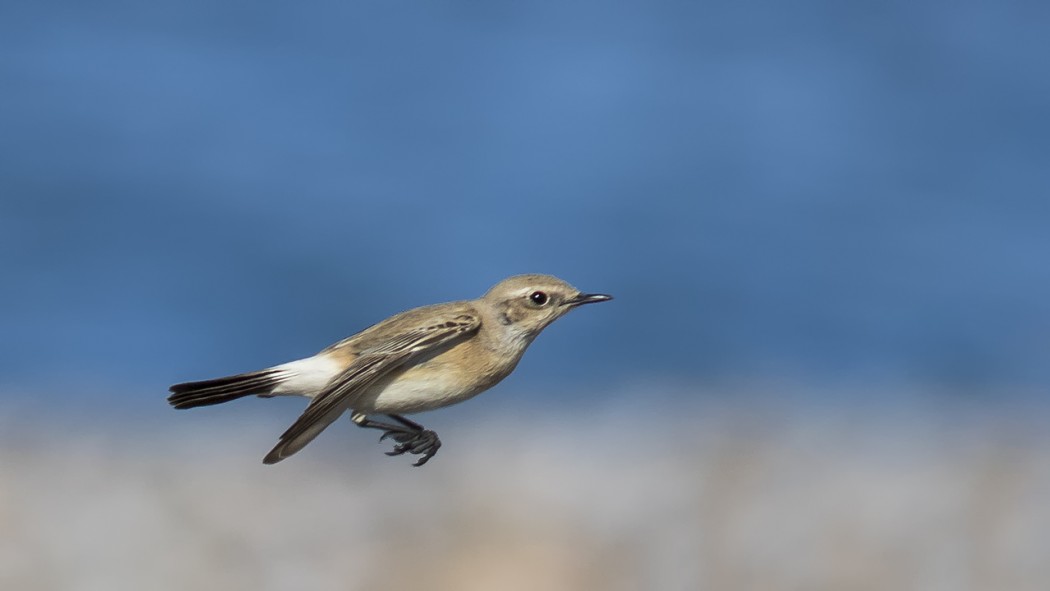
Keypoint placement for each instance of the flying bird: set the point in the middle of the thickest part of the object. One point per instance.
(415, 361)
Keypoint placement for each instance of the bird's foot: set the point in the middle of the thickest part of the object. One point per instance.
(423, 442)
(410, 436)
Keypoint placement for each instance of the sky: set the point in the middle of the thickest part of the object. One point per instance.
(838, 193)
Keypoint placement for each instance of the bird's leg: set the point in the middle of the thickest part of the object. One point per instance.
(410, 436)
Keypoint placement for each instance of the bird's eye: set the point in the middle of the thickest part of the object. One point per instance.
(539, 298)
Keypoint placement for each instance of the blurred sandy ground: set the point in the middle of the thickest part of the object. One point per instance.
(733, 496)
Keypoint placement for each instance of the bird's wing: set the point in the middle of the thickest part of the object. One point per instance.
(379, 358)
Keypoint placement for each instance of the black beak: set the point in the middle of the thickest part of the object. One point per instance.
(588, 298)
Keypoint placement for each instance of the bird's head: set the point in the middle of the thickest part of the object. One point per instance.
(527, 304)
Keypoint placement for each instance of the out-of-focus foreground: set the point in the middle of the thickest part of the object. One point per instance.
(734, 497)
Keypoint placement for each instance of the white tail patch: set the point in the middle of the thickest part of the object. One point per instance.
(307, 377)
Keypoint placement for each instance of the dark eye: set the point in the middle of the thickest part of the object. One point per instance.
(538, 297)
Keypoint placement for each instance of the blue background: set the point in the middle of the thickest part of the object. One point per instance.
(839, 194)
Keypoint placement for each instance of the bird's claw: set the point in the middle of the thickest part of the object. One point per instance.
(423, 442)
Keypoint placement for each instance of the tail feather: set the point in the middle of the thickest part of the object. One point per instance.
(219, 390)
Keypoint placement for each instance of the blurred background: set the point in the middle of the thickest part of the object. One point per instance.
(826, 226)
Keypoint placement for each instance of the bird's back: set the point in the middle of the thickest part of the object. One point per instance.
(382, 333)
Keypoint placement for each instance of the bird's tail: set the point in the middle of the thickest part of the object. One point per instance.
(219, 390)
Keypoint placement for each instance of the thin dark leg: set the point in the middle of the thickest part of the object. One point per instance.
(367, 423)
(410, 436)
(410, 424)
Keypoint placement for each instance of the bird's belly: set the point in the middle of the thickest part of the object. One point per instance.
(424, 387)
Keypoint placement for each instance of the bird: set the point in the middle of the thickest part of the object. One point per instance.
(415, 361)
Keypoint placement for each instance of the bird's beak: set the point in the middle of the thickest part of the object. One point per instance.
(588, 298)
